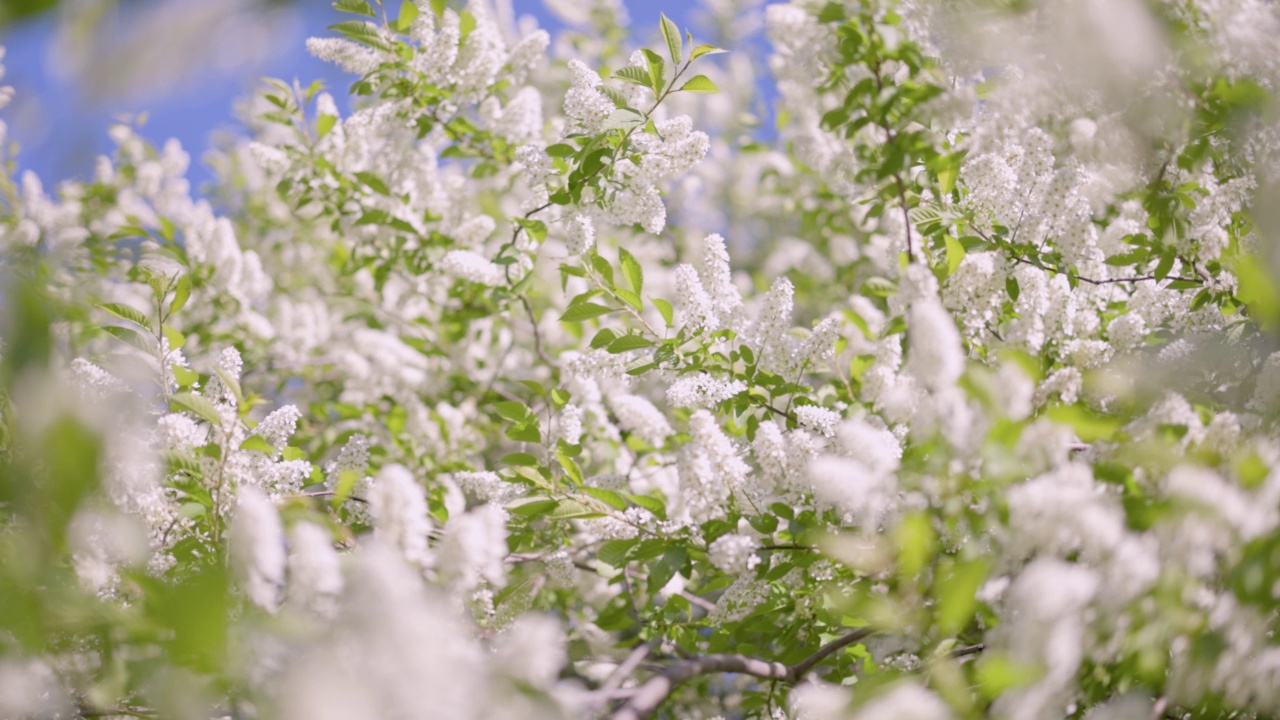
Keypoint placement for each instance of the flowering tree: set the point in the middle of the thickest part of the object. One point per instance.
(546, 384)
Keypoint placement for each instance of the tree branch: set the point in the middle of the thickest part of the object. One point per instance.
(658, 688)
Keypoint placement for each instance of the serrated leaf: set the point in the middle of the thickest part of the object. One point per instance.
(624, 119)
(671, 33)
(652, 504)
(361, 32)
(664, 309)
(569, 509)
(603, 267)
(631, 270)
(181, 293)
(513, 411)
(584, 311)
(701, 50)
(561, 150)
(614, 552)
(635, 75)
(130, 336)
(613, 499)
(408, 14)
(258, 443)
(661, 572)
(355, 7)
(955, 254)
(125, 312)
(531, 506)
(199, 405)
(521, 459)
(629, 298)
(629, 342)
(528, 432)
(231, 384)
(700, 84)
(656, 68)
(374, 182)
(603, 338)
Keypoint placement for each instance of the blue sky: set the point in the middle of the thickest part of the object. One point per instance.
(61, 123)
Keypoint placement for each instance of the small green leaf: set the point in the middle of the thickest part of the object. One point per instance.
(199, 405)
(624, 119)
(615, 552)
(664, 309)
(584, 311)
(700, 84)
(512, 411)
(531, 506)
(355, 7)
(635, 75)
(603, 338)
(629, 298)
(561, 150)
(608, 497)
(705, 50)
(661, 572)
(652, 504)
(675, 45)
(522, 459)
(374, 182)
(955, 254)
(631, 270)
(130, 336)
(258, 443)
(408, 14)
(181, 293)
(125, 312)
(629, 342)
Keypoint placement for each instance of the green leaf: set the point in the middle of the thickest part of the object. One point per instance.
(629, 342)
(664, 309)
(656, 68)
(325, 123)
(531, 506)
(513, 411)
(374, 182)
(439, 6)
(184, 377)
(650, 504)
(1011, 287)
(661, 572)
(258, 443)
(569, 509)
(675, 45)
(125, 312)
(584, 311)
(562, 150)
(629, 298)
(957, 587)
(1088, 425)
(292, 453)
(955, 254)
(705, 50)
(522, 459)
(560, 397)
(624, 119)
(231, 383)
(130, 336)
(700, 84)
(361, 32)
(408, 14)
(1258, 290)
(176, 339)
(603, 338)
(635, 75)
(1165, 265)
(603, 267)
(614, 552)
(528, 432)
(181, 293)
(199, 405)
(355, 7)
(608, 497)
(631, 270)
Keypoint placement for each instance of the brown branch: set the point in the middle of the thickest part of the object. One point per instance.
(968, 650)
(658, 688)
(1107, 281)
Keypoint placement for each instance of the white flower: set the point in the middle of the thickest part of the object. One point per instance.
(819, 419)
(470, 266)
(582, 235)
(734, 553)
(702, 389)
(399, 511)
(258, 547)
